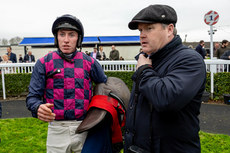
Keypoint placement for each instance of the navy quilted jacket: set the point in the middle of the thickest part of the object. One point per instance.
(165, 117)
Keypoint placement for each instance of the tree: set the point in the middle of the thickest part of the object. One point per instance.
(15, 40)
(18, 39)
(4, 41)
(12, 41)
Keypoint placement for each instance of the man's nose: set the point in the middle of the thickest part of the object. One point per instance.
(66, 39)
(142, 34)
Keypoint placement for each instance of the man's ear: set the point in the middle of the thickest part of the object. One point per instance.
(170, 29)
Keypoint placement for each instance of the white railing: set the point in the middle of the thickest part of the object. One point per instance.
(119, 65)
(213, 66)
(16, 67)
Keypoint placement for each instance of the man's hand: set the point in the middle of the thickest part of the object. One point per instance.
(45, 113)
(143, 60)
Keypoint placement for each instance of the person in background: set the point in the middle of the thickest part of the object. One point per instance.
(5, 59)
(29, 58)
(121, 58)
(162, 116)
(226, 56)
(61, 85)
(216, 46)
(100, 54)
(114, 54)
(94, 53)
(20, 58)
(87, 53)
(200, 49)
(12, 56)
(222, 49)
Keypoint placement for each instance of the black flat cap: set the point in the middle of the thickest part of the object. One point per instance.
(154, 14)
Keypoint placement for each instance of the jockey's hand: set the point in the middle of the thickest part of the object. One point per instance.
(45, 113)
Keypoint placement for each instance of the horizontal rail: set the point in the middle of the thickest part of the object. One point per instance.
(213, 66)
(110, 66)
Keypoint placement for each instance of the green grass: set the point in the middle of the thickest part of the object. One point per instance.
(214, 143)
(27, 135)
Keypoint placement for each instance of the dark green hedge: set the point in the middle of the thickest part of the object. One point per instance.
(17, 84)
(221, 84)
(126, 77)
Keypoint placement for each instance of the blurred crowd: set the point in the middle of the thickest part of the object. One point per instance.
(11, 57)
(99, 54)
(221, 50)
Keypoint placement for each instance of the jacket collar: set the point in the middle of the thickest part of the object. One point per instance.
(63, 56)
(166, 50)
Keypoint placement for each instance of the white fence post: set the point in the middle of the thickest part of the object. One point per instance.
(3, 84)
(213, 70)
(212, 84)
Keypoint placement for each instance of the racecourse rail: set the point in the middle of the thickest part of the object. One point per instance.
(212, 66)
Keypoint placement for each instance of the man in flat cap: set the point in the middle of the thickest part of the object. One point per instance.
(162, 116)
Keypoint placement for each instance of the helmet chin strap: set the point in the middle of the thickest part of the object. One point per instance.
(66, 57)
